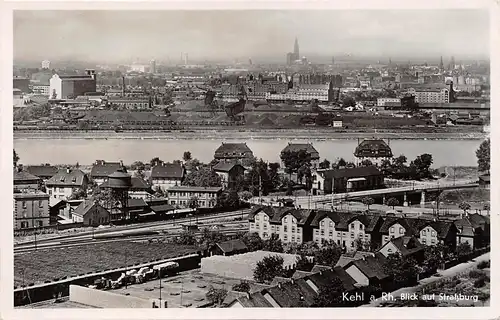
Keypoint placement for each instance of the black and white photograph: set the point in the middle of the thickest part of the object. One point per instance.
(251, 158)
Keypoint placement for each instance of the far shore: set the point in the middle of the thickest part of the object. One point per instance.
(245, 134)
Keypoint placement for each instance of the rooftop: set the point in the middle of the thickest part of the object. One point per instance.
(194, 189)
(168, 170)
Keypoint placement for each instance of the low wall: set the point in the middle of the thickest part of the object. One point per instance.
(47, 291)
(104, 299)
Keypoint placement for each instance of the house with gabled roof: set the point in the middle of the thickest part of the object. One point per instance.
(91, 213)
(307, 147)
(167, 175)
(101, 170)
(375, 150)
(293, 225)
(44, 172)
(228, 248)
(64, 182)
(473, 229)
(405, 246)
(25, 180)
(230, 173)
(229, 152)
(368, 271)
(346, 229)
(348, 179)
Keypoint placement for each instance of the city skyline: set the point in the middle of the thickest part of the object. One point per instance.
(119, 36)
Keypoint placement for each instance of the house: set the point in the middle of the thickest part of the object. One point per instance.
(44, 172)
(307, 147)
(473, 229)
(484, 181)
(347, 257)
(231, 173)
(428, 232)
(349, 179)
(375, 150)
(31, 209)
(368, 271)
(229, 152)
(228, 248)
(140, 189)
(404, 246)
(64, 182)
(181, 195)
(137, 207)
(25, 180)
(91, 213)
(160, 206)
(101, 170)
(298, 292)
(167, 175)
(291, 225)
(347, 230)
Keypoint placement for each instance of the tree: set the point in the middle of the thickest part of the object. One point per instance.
(137, 165)
(252, 241)
(211, 237)
(465, 206)
(483, 156)
(273, 244)
(368, 201)
(77, 194)
(243, 286)
(341, 163)
(422, 164)
(228, 199)
(325, 164)
(186, 156)
(155, 161)
(403, 270)
(274, 177)
(245, 195)
(348, 102)
(268, 268)
(392, 202)
(293, 160)
(216, 296)
(204, 177)
(304, 264)
(435, 256)
(463, 249)
(139, 174)
(16, 158)
(361, 244)
(328, 255)
(330, 295)
(366, 163)
(185, 238)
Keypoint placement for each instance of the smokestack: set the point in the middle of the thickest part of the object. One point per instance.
(68, 170)
(123, 86)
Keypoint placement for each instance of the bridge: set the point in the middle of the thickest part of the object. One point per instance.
(421, 188)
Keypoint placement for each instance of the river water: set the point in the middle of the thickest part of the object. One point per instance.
(86, 151)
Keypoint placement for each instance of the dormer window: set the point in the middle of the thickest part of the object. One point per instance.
(62, 179)
(73, 179)
(284, 219)
(360, 227)
(322, 223)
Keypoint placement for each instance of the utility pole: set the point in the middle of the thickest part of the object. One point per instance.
(159, 278)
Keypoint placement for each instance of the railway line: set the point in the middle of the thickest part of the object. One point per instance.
(230, 228)
(124, 230)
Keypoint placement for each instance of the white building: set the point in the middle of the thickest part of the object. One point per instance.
(62, 185)
(381, 102)
(430, 95)
(45, 64)
(64, 87)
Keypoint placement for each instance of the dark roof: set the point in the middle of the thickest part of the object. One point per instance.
(22, 176)
(303, 216)
(485, 178)
(226, 166)
(42, 171)
(85, 207)
(258, 208)
(105, 169)
(414, 226)
(301, 274)
(76, 76)
(136, 203)
(372, 267)
(255, 300)
(341, 219)
(308, 147)
(63, 178)
(229, 148)
(168, 170)
(291, 295)
(232, 246)
(139, 184)
(373, 148)
(351, 256)
(356, 172)
(325, 277)
(161, 208)
(407, 245)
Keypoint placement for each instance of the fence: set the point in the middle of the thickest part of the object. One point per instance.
(47, 291)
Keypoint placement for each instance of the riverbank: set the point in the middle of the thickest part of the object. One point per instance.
(267, 134)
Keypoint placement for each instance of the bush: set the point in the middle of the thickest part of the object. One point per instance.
(243, 286)
(475, 274)
(483, 265)
(479, 283)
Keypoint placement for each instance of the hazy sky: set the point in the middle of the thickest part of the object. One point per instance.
(123, 36)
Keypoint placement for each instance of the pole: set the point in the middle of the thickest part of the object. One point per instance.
(126, 267)
(159, 278)
(182, 288)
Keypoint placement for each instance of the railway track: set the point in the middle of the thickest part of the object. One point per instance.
(126, 229)
(233, 228)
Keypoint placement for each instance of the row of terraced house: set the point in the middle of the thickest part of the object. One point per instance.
(347, 230)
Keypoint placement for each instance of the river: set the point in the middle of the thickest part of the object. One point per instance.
(86, 151)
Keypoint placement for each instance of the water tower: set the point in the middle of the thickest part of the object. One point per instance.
(119, 184)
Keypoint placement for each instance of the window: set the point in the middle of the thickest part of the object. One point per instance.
(322, 223)
(293, 238)
(264, 234)
(338, 234)
(352, 235)
(24, 204)
(256, 224)
(331, 233)
(256, 217)
(317, 239)
(423, 232)
(293, 229)
(331, 224)
(40, 223)
(285, 229)
(284, 219)
(265, 225)
(322, 232)
(423, 240)
(316, 231)
(40, 204)
(401, 230)
(266, 218)
(360, 227)
(391, 230)
(24, 224)
(352, 226)
(352, 244)
(433, 233)
(285, 237)
(277, 228)
(433, 241)
(298, 238)
(338, 242)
